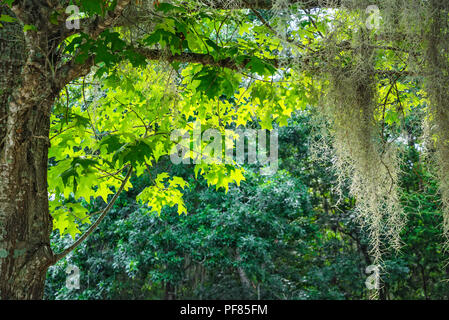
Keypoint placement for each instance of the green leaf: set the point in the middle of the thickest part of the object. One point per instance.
(167, 7)
(6, 18)
(257, 65)
(29, 27)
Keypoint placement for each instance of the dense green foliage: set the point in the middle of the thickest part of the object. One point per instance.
(279, 237)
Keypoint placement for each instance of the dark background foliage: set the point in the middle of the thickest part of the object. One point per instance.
(279, 237)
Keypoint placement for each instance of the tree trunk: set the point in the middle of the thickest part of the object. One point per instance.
(26, 99)
(246, 283)
(169, 291)
(32, 73)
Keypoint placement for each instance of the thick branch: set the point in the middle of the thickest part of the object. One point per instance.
(95, 225)
(268, 4)
(206, 59)
(95, 25)
(109, 20)
(201, 58)
(72, 71)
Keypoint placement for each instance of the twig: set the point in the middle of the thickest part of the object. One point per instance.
(61, 255)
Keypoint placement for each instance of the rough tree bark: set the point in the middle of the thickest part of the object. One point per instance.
(32, 73)
(28, 92)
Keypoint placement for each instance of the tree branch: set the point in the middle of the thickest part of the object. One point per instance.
(71, 70)
(95, 25)
(61, 255)
(268, 4)
(190, 57)
(206, 59)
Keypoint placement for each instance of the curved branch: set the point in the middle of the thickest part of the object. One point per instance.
(61, 255)
(73, 70)
(268, 4)
(201, 58)
(95, 25)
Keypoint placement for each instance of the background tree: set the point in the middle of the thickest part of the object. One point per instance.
(293, 240)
